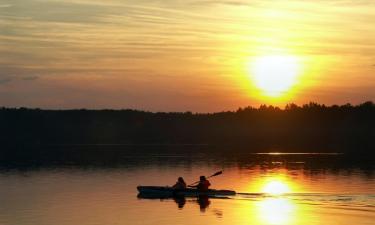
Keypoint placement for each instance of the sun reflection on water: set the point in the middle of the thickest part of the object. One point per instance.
(276, 187)
(276, 210)
(275, 207)
(273, 183)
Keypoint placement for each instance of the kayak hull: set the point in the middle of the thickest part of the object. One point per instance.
(158, 191)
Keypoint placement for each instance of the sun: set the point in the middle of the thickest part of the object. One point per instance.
(274, 75)
(276, 188)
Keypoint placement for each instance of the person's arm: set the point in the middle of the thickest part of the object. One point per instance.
(194, 186)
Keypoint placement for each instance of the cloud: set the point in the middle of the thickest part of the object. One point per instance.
(5, 5)
(63, 11)
(8, 74)
(5, 80)
(225, 2)
(30, 78)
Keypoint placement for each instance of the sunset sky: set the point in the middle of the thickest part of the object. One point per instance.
(179, 55)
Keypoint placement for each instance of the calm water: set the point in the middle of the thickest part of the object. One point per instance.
(273, 189)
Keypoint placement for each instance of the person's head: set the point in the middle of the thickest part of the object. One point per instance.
(180, 179)
(202, 178)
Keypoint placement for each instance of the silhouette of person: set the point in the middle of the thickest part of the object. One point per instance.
(180, 184)
(203, 184)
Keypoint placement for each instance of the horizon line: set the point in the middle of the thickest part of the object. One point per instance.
(268, 106)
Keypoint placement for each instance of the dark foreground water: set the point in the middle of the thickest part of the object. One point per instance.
(273, 189)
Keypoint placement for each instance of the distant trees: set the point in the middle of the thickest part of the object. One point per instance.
(308, 127)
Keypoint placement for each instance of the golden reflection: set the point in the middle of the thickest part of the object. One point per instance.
(276, 188)
(276, 211)
(274, 184)
(274, 206)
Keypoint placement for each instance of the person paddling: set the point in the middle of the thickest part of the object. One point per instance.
(180, 184)
(203, 184)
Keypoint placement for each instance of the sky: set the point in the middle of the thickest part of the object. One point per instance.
(185, 55)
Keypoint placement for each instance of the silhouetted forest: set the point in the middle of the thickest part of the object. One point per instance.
(309, 128)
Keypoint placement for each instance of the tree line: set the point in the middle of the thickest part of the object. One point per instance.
(311, 127)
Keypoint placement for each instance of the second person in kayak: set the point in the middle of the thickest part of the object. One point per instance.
(203, 184)
(180, 184)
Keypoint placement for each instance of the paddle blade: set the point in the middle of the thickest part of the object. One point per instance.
(217, 173)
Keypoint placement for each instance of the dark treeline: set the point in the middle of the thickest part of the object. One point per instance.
(311, 127)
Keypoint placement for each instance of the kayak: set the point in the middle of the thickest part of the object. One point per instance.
(159, 191)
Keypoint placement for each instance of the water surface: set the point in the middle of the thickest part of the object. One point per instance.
(273, 189)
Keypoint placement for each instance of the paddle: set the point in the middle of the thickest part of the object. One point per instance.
(213, 175)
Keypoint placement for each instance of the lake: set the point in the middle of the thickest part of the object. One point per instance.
(271, 189)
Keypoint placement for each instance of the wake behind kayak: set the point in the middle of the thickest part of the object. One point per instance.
(164, 192)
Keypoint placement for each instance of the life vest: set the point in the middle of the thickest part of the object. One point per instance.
(203, 185)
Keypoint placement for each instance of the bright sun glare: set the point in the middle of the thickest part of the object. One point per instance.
(276, 188)
(276, 211)
(275, 74)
